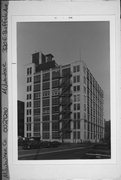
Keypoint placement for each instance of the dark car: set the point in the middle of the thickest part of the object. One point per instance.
(45, 144)
(55, 144)
(32, 144)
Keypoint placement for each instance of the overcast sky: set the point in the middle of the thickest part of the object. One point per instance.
(68, 42)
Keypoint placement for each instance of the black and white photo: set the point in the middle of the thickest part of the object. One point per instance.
(64, 86)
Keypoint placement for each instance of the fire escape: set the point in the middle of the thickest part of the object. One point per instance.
(65, 104)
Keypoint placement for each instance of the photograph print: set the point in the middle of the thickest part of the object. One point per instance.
(63, 90)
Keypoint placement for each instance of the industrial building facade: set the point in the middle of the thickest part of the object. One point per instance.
(63, 103)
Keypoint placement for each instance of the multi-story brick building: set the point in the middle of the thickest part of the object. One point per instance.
(63, 103)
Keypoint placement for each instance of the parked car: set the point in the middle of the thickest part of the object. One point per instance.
(32, 144)
(20, 141)
(55, 144)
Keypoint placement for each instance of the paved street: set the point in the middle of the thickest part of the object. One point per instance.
(61, 153)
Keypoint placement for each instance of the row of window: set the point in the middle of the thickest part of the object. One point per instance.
(46, 85)
(45, 126)
(55, 127)
(46, 76)
(55, 117)
(46, 110)
(55, 92)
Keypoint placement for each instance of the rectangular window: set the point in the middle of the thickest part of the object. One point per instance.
(46, 126)
(78, 78)
(55, 83)
(29, 71)
(29, 96)
(28, 127)
(29, 104)
(74, 79)
(55, 126)
(37, 119)
(36, 134)
(78, 135)
(28, 111)
(29, 88)
(55, 74)
(74, 69)
(36, 104)
(78, 106)
(46, 76)
(46, 93)
(37, 87)
(37, 79)
(46, 102)
(55, 109)
(74, 134)
(37, 95)
(46, 110)
(29, 79)
(46, 118)
(75, 116)
(46, 85)
(74, 107)
(74, 124)
(28, 119)
(78, 97)
(74, 88)
(55, 117)
(45, 135)
(78, 115)
(28, 135)
(78, 88)
(36, 127)
(55, 92)
(78, 124)
(55, 135)
(37, 111)
(55, 101)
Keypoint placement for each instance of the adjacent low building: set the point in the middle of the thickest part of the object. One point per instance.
(63, 103)
(20, 118)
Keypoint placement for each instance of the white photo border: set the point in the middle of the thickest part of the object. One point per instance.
(22, 16)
